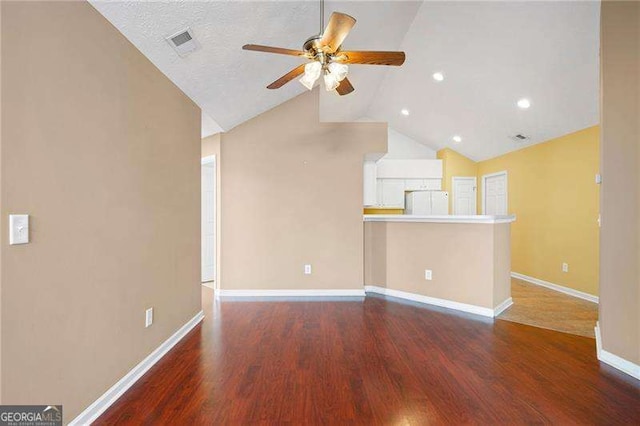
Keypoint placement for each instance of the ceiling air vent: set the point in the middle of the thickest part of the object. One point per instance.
(520, 138)
(183, 42)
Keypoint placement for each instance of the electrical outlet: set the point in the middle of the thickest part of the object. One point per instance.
(307, 269)
(148, 318)
(565, 267)
(428, 274)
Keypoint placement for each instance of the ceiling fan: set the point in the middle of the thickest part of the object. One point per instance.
(327, 57)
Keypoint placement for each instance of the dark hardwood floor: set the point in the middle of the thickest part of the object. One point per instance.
(374, 361)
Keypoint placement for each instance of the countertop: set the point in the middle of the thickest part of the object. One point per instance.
(439, 219)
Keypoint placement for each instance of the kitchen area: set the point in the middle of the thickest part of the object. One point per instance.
(416, 250)
(405, 186)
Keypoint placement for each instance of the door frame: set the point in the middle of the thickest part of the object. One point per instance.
(211, 159)
(207, 160)
(506, 186)
(453, 193)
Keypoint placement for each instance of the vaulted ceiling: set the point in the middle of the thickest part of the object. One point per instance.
(491, 54)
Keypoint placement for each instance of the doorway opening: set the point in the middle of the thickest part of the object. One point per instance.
(208, 221)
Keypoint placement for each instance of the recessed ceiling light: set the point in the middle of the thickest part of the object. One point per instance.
(524, 103)
(457, 139)
(438, 76)
(404, 111)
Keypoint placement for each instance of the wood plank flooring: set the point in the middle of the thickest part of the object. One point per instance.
(546, 308)
(375, 361)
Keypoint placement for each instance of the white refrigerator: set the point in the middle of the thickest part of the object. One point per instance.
(427, 203)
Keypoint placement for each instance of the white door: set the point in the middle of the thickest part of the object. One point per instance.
(464, 195)
(494, 194)
(208, 225)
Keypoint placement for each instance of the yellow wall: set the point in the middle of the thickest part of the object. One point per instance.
(455, 164)
(552, 191)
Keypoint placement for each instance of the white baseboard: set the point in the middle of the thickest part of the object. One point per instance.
(556, 287)
(502, 307)
(464, 307)
(615, 361)
(291, 293)
(92, 412)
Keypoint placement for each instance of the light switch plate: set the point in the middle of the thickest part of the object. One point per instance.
(307, 269)
(148, 317)
(428, 274)
(18, 229)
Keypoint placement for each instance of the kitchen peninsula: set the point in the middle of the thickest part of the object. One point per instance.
(458, 262)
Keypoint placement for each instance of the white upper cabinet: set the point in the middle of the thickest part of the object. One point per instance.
(409, 169)
(391, 193)
(422, 184)
(386, 181)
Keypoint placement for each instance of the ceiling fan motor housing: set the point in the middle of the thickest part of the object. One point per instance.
(315, 49)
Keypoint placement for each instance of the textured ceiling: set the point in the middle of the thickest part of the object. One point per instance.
(491, 54)
(229, 83)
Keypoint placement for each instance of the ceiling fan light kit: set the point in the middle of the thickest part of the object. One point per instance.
(313, 70)
(339, 70)
(328, 58)
(308, 81)
(330, 81)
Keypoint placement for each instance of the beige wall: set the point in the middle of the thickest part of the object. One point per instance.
(292, 195)
(211, 146)
(470, 262)
(103, 152)
(501, 263)
(375, 253)
(620, 195)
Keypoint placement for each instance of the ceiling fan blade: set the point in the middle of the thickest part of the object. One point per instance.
(299, 70)
(371, 58)
(269, 49)
(337, 30)
(345, 87)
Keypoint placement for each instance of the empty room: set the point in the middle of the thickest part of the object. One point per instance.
(319, 212)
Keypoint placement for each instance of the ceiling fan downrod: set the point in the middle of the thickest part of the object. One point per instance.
(321, 18)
